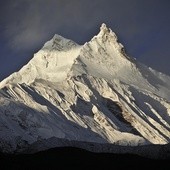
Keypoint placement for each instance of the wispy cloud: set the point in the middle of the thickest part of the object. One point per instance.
(29, 22)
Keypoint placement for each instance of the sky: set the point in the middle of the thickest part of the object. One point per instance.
(142, 26)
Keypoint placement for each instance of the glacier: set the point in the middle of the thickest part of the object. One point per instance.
(92, 93)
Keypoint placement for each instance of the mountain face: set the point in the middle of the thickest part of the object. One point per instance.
(84, 93)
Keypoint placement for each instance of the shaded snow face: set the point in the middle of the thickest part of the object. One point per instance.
(93, 93)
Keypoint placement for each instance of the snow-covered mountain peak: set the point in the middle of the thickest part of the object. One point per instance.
(103, 56)
(51, 63)
(92, 93)
(104, 28)
(106, 34)
(59, 43)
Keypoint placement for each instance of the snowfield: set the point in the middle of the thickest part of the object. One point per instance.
(88, 93)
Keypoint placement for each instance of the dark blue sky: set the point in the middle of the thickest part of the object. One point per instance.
(142, 26)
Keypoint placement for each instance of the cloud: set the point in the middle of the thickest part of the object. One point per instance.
(28, 23)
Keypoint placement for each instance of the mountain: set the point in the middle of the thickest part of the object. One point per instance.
(93, 93)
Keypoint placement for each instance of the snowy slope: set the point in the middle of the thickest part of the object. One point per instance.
(92, 93)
